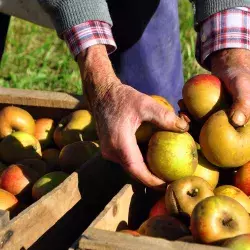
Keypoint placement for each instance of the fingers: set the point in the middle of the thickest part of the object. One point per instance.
(165, 119)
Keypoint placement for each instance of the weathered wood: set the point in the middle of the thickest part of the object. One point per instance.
(94, 239)
(4, 218)
(30, 224)
(39, 98)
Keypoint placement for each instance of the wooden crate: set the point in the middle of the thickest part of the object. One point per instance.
(58, 218)
(128, 209)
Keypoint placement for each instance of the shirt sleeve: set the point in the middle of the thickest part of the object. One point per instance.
(227, 29)
(87, 34)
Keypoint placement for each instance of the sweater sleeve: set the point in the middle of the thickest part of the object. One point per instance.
(205, 8)
(68, 13)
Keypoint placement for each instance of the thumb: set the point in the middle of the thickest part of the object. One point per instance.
(240, 112)
(165, 119)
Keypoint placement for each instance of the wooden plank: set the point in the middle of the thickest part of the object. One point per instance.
(29, 225)
(94, 239)
(4, 218)
(116, 211)
(39, 98)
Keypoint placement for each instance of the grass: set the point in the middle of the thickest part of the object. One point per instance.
(35, 58)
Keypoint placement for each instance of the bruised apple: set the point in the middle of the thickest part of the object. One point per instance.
(182, 195)
(159, 208)
(73, 155)
(203, 95)
(171, 156)
(51, 157)
(163, 226)
(217, 218)
(7, 200)
(44, 129)
(234, 193)
(18, 179)
(77, 126)
(207, 171)
(224, 145)
(242, 178)
(47, 183)
(146, 130)
(18, 146)
(15, 119)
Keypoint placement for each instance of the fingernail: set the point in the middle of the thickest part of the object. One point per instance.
(181, 124)
(238, 118)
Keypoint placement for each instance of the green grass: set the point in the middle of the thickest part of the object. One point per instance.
(35, 58)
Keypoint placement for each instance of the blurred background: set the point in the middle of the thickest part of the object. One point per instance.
(35, 58)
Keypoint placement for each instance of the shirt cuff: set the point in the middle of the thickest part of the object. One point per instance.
(227, 29)
(87, 34)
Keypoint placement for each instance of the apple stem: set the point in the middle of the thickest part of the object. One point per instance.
(193, 193)
(226, 222)
(81, 138)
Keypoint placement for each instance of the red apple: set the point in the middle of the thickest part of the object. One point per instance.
(44, 130)
(51, 157)
(17, 179)
(242, 178)
(7, 200)
(15, 119)
(240, 242)
(159, 208)
(217, 218)
(203, 95)
(18, 146)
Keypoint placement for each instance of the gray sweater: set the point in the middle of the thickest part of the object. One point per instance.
(67, 13)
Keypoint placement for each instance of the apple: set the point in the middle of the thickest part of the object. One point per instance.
(15, 119)
(182, 195)
(17, 179)
(147, 129)
(159, 208)
(240, 242)
(18, 146)
(207, 171)
(73, 155)
(171, 156)
(224, 145)
(217, 218)
(36, 164)
(2, 167)
(242, 178)
(47, 183)
(203, 95)
(163, 226)
(77, 126)
(51, 157)
(234, 193)
(7, 200)
(44, 129)
(131, 232)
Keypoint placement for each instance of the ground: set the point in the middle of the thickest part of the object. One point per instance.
(35, 58)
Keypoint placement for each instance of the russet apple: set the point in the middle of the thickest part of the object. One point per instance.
(18, 146)
(73, 155)
(242, 178)
(77, 126)
(146, 129)
(224, 145)
(163, 226)
(17, 179)
(207, 171)
(171, 156)
(44, 129)
(240, 242)
(8, 201)
(203, 95)
(217, 218)
(159, 208)
(47, 183)
(182, 195)
(51, 157)
(15, 119)
(234, 193)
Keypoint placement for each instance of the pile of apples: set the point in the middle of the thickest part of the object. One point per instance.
(37, 155)
(207, 171)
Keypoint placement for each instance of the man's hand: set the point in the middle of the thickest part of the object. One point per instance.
(119, 110)
(232, 66)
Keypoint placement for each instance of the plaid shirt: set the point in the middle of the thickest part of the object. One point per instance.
(226, 29)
